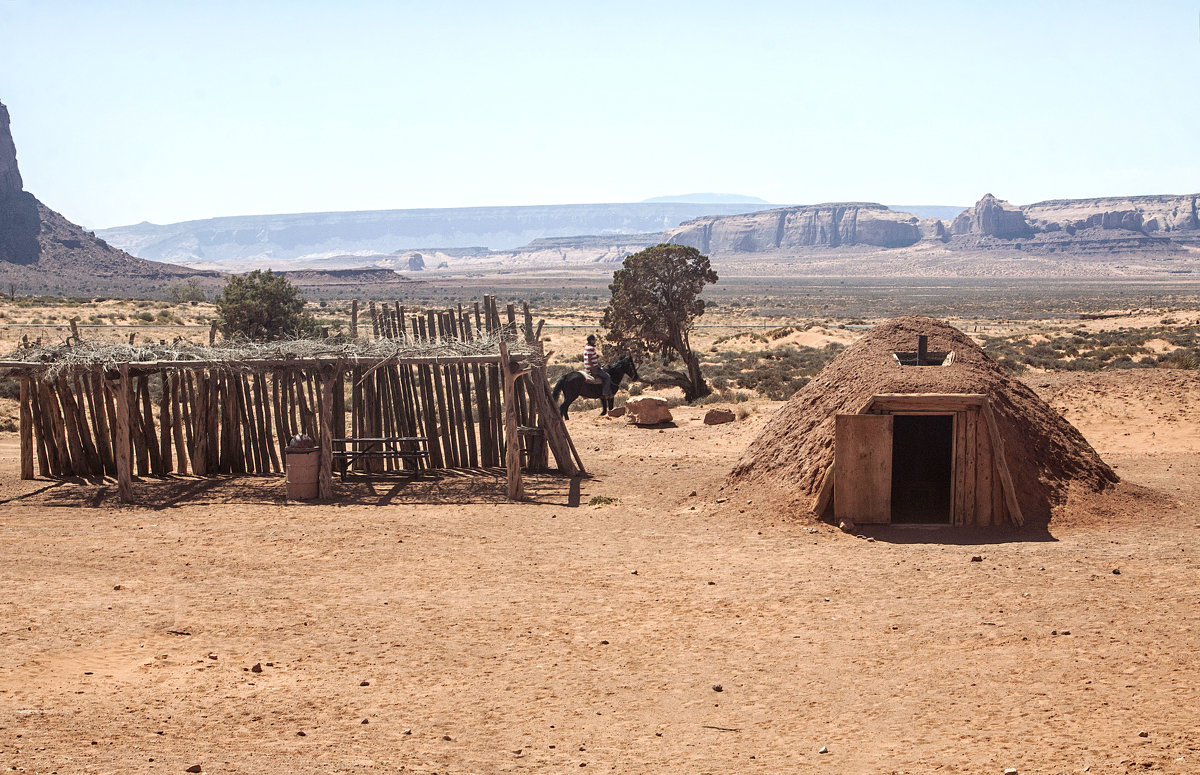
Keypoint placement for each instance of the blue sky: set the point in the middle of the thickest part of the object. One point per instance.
(166, 111)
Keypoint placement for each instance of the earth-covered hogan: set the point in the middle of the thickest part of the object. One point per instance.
(1006, 457)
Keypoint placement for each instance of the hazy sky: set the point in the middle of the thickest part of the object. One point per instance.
(166, 111)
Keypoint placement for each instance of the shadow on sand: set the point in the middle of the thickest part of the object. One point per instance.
(439, 487)
(954, 536)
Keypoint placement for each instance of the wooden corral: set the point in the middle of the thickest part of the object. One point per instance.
(864, 482)
(471, 385)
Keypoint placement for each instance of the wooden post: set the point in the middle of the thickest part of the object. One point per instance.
(124, 461)
(325, 469)
(212, 334)
(26, 430)
(75, 330)
(354, 319)
(922, 350)
(512, 452)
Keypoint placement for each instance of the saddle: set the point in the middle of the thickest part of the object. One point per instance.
(589, 378)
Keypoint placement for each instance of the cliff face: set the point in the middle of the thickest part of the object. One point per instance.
(1092, 226)
(1149, 215)
(10, 176)
(828, 225)
(43, 252)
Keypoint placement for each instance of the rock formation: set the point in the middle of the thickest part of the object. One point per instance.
(991, 217)
(827, 225)
(43, 252)
(10, 176)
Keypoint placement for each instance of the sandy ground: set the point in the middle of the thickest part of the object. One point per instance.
(432, 627)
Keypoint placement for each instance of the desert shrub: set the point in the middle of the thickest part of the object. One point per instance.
(263, 306)
(186, 291)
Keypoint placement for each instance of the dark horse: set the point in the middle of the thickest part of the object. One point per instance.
(573, 385)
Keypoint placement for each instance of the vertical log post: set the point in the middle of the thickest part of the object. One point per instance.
(124, 458)
(26, 430)
(512, 452)
(325, 463)
(354, 319)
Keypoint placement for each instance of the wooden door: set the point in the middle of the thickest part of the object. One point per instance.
(862, 487)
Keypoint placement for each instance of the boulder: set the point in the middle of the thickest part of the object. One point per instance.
(647, 411)
(616, 411)
(718, 416)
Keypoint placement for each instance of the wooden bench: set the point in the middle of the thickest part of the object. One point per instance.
(415, 448)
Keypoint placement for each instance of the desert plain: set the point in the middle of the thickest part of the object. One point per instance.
(650, 618)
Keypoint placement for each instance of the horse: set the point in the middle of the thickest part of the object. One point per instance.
(573, 385)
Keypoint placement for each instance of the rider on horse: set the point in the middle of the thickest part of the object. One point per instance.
(591, 365)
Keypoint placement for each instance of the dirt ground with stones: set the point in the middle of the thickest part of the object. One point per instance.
(431, 627)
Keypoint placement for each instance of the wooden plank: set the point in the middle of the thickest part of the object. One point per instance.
(825, 494)
(959, 469)
(972, 465)
(26, 430)
(863, 459)
(1010, 492)
(983, 473)
(124, 461)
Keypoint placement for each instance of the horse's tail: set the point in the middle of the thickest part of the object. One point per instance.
(558, 386)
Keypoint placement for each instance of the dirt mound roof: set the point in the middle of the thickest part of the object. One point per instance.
(1046, 454)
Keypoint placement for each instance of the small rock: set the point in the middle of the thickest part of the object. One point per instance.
(977, 558)
(823, 750)
(603, 643)
(118, 587)
(712, 583)
(1143, 733)
(692, 494)
(1010, 771)
(618, 411)
(212, 655)
(846, 526)
(1065, 632)
(633, 572)
(718, 688)
(718, 416)
(408, 731)
(446, 737)
(301, 734)
(365, 721)
(257, 668)
(365, 683)
(194, 768)
(1116, 571)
